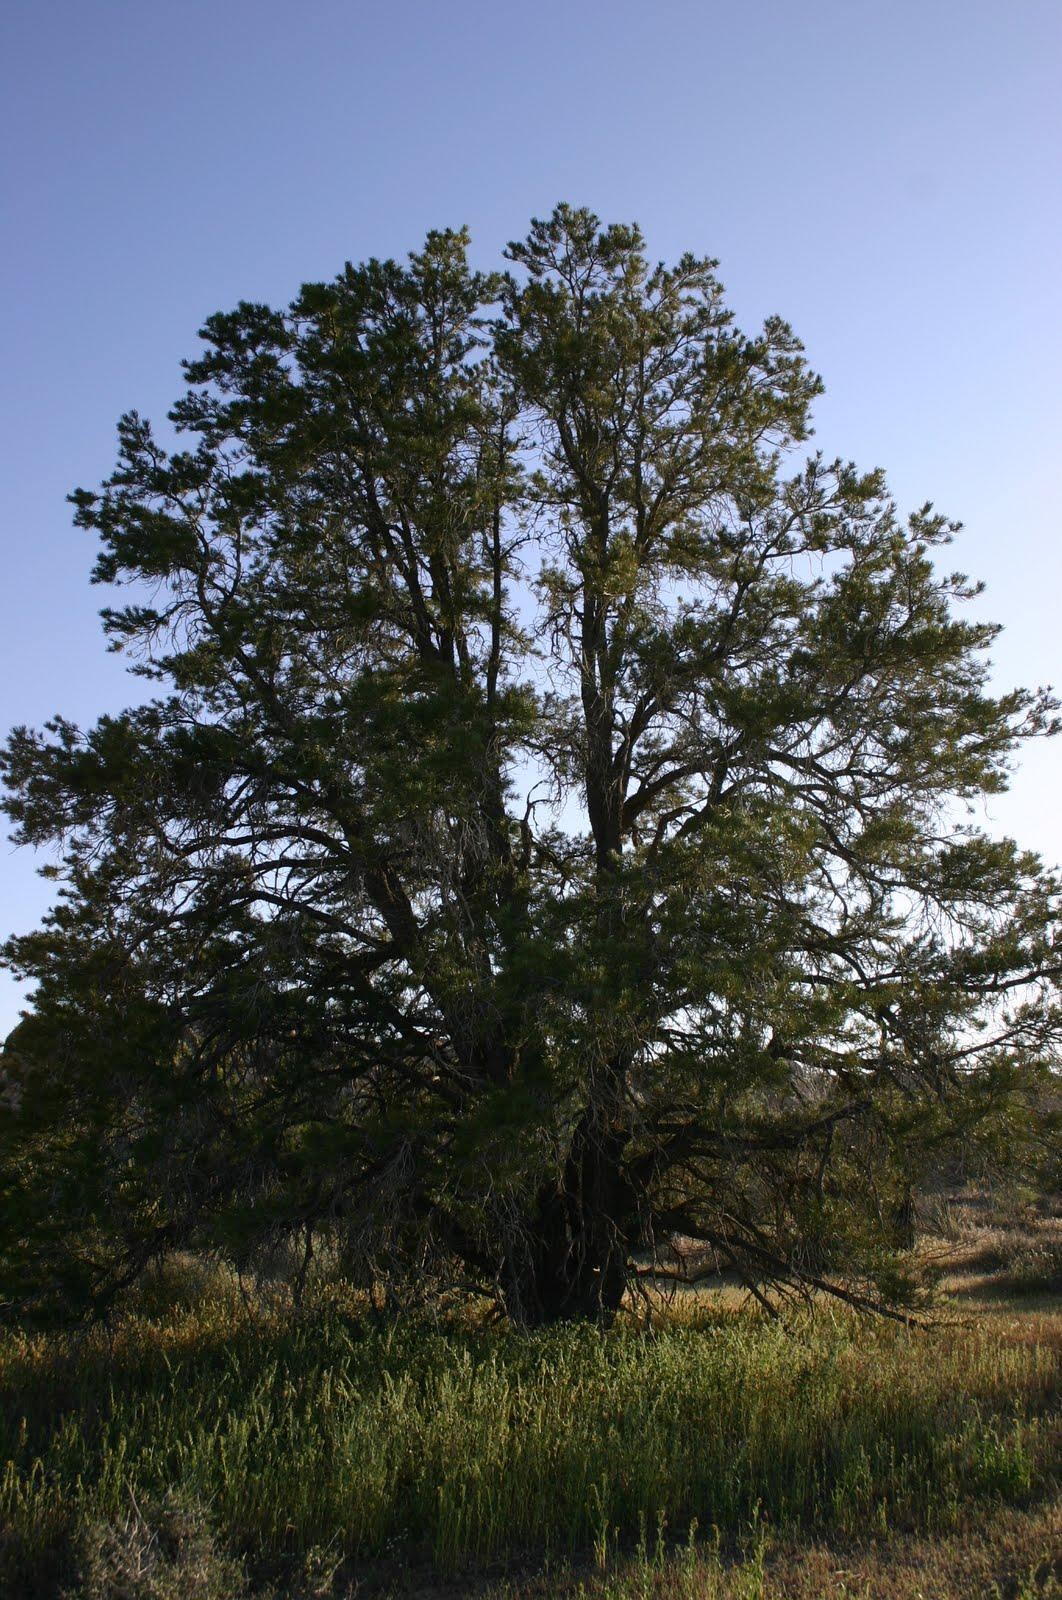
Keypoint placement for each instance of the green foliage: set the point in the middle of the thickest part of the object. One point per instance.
(545, 843)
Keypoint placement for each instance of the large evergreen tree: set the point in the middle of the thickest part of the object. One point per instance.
(547, 842)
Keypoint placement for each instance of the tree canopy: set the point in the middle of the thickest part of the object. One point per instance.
(548, 845)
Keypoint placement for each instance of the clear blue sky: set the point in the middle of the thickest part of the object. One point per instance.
(886, 176)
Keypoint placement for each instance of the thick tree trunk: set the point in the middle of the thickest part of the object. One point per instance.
(570, 1261)
(903, 1218)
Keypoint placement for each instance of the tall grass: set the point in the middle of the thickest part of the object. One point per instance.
(463, 1446)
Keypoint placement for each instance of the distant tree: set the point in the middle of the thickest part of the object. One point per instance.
(545, 848)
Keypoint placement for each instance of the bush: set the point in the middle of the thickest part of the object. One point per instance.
(166, 1551)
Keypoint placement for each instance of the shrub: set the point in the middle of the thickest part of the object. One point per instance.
(166, 1551)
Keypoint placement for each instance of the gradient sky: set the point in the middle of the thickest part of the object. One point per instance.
(885, 176)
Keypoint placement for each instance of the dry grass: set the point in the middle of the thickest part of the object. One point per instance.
(979, 1246)
(1007, 1556)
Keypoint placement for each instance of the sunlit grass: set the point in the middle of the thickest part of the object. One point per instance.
(462, 1446)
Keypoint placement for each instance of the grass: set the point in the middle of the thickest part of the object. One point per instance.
(1004, 1556)
(205, 1440)
(997, 1251)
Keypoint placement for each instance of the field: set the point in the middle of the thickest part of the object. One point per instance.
(210, 1445)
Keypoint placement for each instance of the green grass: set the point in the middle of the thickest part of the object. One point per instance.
(460, 1448)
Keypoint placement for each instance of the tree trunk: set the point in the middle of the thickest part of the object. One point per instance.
(570, 1261)
(903, 1218)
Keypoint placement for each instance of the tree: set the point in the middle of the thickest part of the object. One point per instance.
(545, 846)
